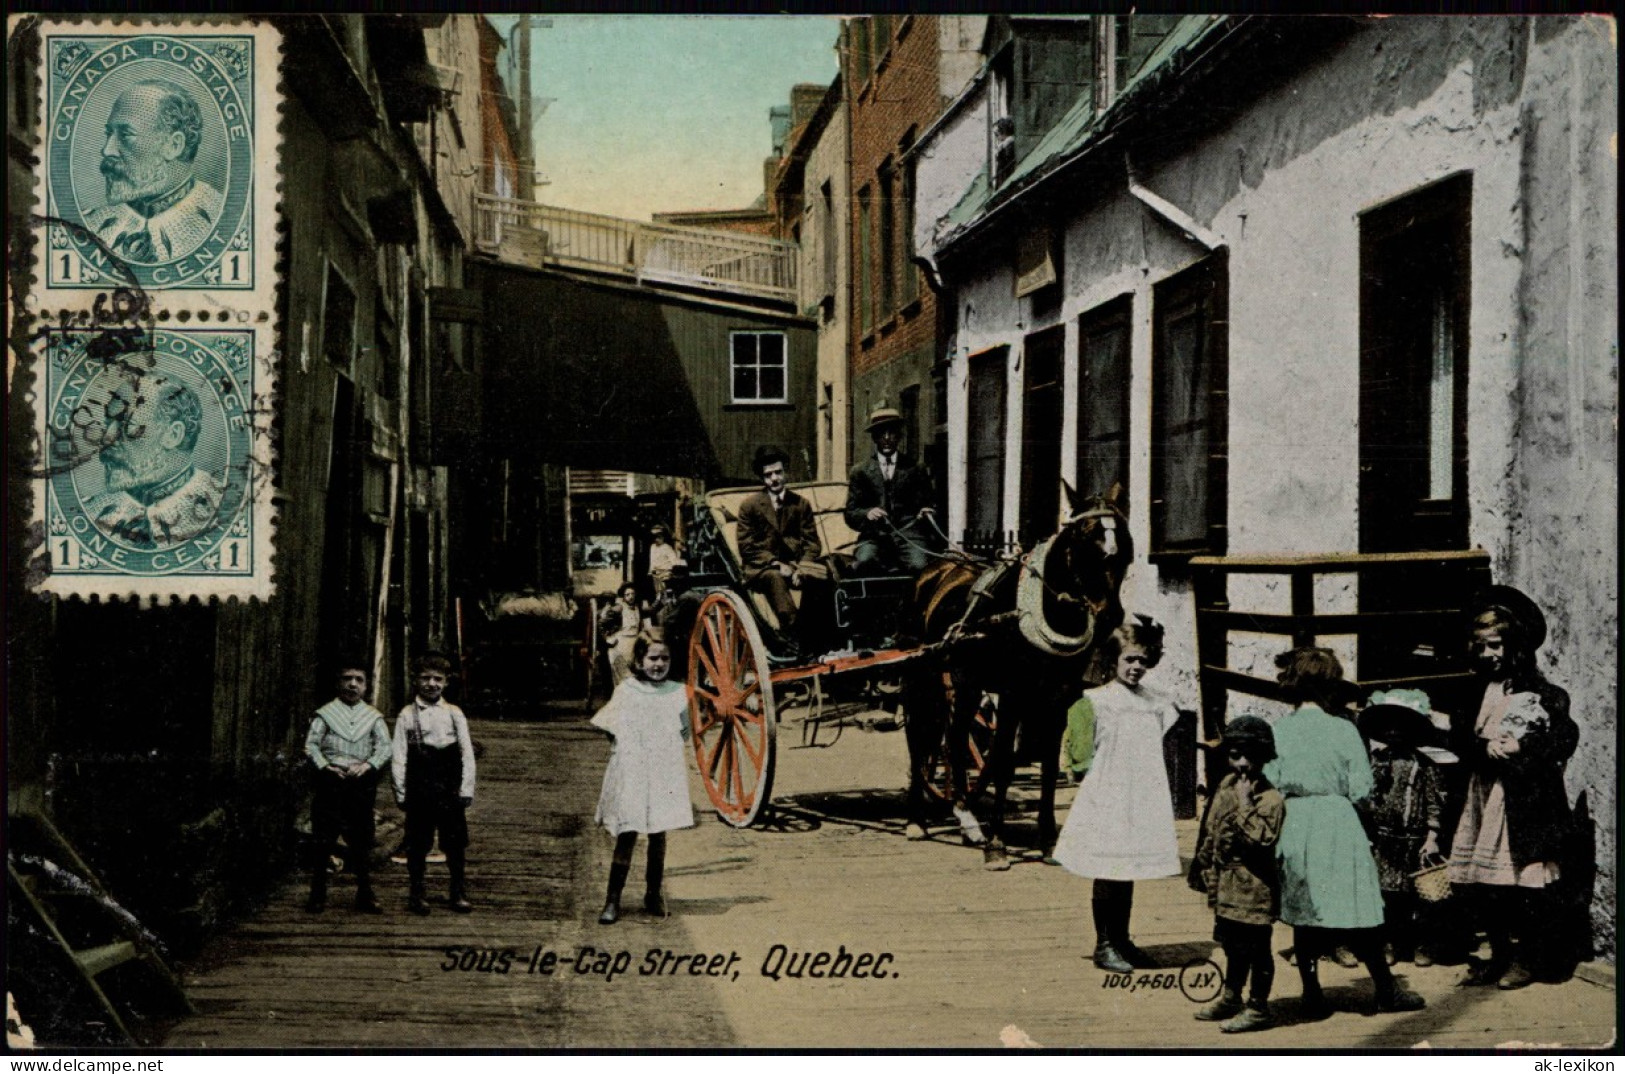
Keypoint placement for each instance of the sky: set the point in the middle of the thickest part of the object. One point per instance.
(655, 113)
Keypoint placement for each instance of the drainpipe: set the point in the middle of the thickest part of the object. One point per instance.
(1170, 212)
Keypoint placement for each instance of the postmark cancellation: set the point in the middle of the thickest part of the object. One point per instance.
(157, 473)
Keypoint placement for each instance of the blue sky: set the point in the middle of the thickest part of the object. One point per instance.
(662, 112)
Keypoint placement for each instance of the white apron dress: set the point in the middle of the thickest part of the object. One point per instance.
(646, 783)
(1121, 826)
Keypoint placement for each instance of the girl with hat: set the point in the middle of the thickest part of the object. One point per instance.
(1516, 814)
(1235, 860)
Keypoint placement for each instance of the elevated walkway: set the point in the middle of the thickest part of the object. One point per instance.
(720, 263)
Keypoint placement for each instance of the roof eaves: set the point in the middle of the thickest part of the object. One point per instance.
(1080, 133)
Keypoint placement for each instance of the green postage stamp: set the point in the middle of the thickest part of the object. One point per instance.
(158, 162)
(154, 303)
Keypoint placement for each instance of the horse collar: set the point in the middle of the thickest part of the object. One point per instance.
(1030, 611)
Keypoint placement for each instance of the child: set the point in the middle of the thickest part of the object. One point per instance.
(434, 780)
(1329, 885)
(349, 745)
(1236, 859)
(620, 623)
(646, 783)
(1405, 811)
(1121, 827)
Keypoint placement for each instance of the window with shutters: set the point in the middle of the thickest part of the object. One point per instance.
(1189, 410)
(1104, 337)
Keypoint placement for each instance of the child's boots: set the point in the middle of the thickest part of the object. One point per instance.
(1227, 1006)
(318, 890)
(458, 899)
(415, 901)
(612, 901)
(365, 901)
(653, 901)
(1253, 1017)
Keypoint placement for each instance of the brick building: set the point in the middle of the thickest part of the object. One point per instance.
(899, 73)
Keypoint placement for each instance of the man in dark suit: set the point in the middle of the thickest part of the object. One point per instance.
(781, 552)
(888, 502)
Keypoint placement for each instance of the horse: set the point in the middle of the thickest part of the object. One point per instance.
(1023, 629)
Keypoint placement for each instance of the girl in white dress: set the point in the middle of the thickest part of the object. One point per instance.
(646, 783)
(1121, 826)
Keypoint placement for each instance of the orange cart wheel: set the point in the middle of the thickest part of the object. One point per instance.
(730, 708)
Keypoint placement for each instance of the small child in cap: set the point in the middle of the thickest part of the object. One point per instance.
(1235, 859)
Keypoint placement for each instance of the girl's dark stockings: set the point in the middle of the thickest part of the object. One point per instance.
(621, 866)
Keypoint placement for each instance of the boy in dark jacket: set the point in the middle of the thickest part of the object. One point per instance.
(1235, 857)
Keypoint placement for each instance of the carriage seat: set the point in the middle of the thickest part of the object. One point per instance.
(828, 499)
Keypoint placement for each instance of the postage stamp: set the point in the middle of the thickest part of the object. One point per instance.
(157, 462)
(158, 149)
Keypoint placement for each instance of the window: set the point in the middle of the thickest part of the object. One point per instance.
(908, 404)
(338, 319)
(386, 369)
(1189, 374)
(858, 40)
(984, 491)
(887, 243)
(908, 274)
(828, 237)
(1041, 434)
(1104, 336)
(866, 306)
(759, 367)
(1414, 303)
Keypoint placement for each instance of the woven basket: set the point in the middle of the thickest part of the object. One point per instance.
(1432, 883)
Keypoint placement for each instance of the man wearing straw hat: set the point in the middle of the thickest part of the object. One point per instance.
(888, 502)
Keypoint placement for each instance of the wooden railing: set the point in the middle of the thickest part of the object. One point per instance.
(528, 233)
(1410, 628)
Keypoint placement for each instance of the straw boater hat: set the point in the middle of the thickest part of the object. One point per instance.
(1405, 717)
(1524, 613)
(882, 417)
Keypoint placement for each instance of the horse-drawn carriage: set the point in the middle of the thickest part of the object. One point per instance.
(962, 632)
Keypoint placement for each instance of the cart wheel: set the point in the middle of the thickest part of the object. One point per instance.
(984, 722)
(731, 710)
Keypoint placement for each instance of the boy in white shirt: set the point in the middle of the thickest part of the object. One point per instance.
(434, 780)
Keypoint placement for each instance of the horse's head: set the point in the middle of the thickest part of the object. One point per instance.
(1094, 540)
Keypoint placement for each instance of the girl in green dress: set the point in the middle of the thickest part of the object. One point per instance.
(1329, 884)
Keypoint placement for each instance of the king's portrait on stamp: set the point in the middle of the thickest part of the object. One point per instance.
(153, 143)
(158, 209)
(152, 457)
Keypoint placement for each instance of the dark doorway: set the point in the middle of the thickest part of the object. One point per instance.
(1414, 303)
(984, 492)
(344, 595)
(1041, 434)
